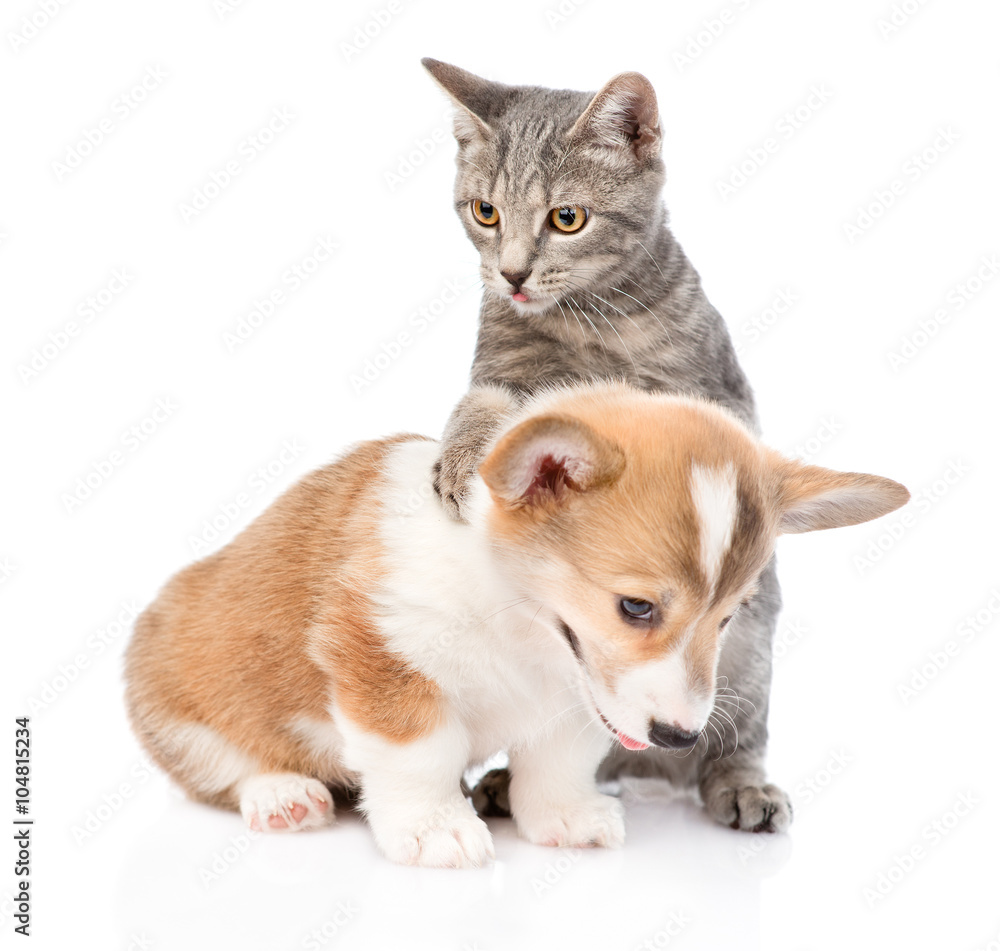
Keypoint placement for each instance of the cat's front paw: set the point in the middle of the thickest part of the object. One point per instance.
(453, 837)
(595, 821)
(750, 808)
(452, 474)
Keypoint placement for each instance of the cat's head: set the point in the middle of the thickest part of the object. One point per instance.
(559, 190)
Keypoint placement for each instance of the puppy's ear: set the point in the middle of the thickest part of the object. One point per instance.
(471, 95)
(811, 498)
(548, 459)
(622, 118)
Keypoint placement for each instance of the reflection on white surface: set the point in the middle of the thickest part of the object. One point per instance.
(196, 879)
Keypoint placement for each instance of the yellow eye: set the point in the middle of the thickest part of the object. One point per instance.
(485, 213)
(569, 218)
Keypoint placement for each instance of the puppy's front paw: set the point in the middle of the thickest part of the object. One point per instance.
(454, 837)
(597, 820)
(285, 802)
(750, 808)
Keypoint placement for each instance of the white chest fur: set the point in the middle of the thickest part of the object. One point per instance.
(445, 607)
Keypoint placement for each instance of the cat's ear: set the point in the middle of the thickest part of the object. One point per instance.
(623, 116)
(471, 94)
(548, 459)
(811, 497)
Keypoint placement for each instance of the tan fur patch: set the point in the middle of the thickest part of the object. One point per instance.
(247, 641)
(645, 517)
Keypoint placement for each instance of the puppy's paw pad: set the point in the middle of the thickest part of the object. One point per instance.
(596, 821)
(456, 840)
(752, 808)
(285, 802)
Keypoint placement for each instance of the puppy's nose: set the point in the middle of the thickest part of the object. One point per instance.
(671, 737)
(515, 278)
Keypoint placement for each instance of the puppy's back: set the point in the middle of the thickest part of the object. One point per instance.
(218, 666)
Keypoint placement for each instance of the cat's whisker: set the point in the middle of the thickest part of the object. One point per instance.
(619, 336)
(645, 308)
(560, 306)
(613, 307)
(651, 258)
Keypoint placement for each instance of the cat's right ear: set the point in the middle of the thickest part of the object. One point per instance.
(622, 118)
(471, 95)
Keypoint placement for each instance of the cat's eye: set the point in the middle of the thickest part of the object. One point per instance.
(485, 213)
(636, 609)
(724, 622)
(569, 218)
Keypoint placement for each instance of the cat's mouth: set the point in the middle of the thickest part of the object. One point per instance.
(528, 302)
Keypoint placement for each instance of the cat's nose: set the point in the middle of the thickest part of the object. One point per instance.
(515, 278)
(671, 737)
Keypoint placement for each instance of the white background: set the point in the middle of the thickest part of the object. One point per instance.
(871, 770)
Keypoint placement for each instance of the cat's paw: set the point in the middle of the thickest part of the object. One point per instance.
(451, 838)
(285, 802)
(491, 797)
(452, 474)
(595, 821)
(750, 808)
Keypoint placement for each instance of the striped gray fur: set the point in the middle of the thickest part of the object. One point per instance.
(616, 300)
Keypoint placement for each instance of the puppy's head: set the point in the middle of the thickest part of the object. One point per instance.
(642, 523)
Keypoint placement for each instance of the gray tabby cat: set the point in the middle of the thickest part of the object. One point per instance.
(560, 192)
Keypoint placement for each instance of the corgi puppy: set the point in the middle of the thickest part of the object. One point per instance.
(356, 636)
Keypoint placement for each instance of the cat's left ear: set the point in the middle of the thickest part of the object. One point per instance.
(471, 94)
(622, 116)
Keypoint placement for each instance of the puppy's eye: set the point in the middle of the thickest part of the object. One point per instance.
(636, 609)
(569, 218)
(725, 621)
(485, 213)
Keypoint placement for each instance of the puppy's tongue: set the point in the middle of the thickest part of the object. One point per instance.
(629, 743)
(519, 297)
